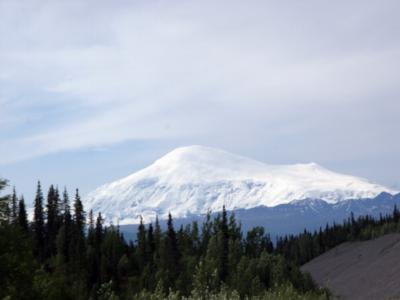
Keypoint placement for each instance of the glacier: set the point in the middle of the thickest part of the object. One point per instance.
(193, 180)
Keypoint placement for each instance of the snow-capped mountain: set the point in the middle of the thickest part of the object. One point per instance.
(192, 180)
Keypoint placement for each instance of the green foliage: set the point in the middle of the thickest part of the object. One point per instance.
(141, 245)
(13, 207)
(63, 257)
(53, 220)
(39, 225)
(308, 245)
(17, 264)
(52, 286)
(22, 216)
(77, 247)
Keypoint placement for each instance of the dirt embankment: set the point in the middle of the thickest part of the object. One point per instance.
(360, 270)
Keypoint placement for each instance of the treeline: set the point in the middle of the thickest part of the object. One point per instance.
(65, 254)
(304, 247)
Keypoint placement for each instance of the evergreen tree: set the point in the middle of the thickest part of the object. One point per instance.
(17, 265)
(52, 220)
(211, 268)
(235, 230)
(62, 248)
(396, 214)
(150, 244)
(38, 225)
(257, 242)
(224, 244)
(195, 239)
(78, 235)
(91, 230)
(99, 231)
(22, 218)
(66, 210)
(14, 207)
(206, 232)
(141, 245)
(171, 257)
(215, 264)
(92, 254)
(79, 214)
(96, 273)
(64, 235)
(112, 250)
(157, 242)
(59, 209)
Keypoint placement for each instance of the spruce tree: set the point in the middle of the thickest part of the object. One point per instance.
(99, 231)
(224, 244)
(63, 240)
(17, 265)
(171, 257)
(62, 248)
(194, 237)
(141, 245)
(235, 230)
(58, 207)
(92, 257)
(38, 225)
(78, 235)
(52, 220)
(91, 230)
(79, 214)
(150, 244)
(66, 210)
(396, 214)
(206, 232)
(157, 241)
(22, 218)
(14, 207)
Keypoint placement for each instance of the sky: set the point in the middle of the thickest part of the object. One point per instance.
(91, 91)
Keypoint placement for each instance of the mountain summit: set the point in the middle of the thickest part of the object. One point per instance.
(192, 180)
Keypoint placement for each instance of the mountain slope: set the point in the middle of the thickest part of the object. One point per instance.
(360, 270)
(195, 179)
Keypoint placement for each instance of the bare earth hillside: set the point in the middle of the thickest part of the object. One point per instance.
(360, 270)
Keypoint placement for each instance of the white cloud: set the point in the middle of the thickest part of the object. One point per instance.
(166, 69)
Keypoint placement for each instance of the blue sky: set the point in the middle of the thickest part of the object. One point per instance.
(91, 91)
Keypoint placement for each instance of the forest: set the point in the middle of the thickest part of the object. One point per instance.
(67, 253)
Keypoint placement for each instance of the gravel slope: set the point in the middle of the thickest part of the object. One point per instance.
(360, 270)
